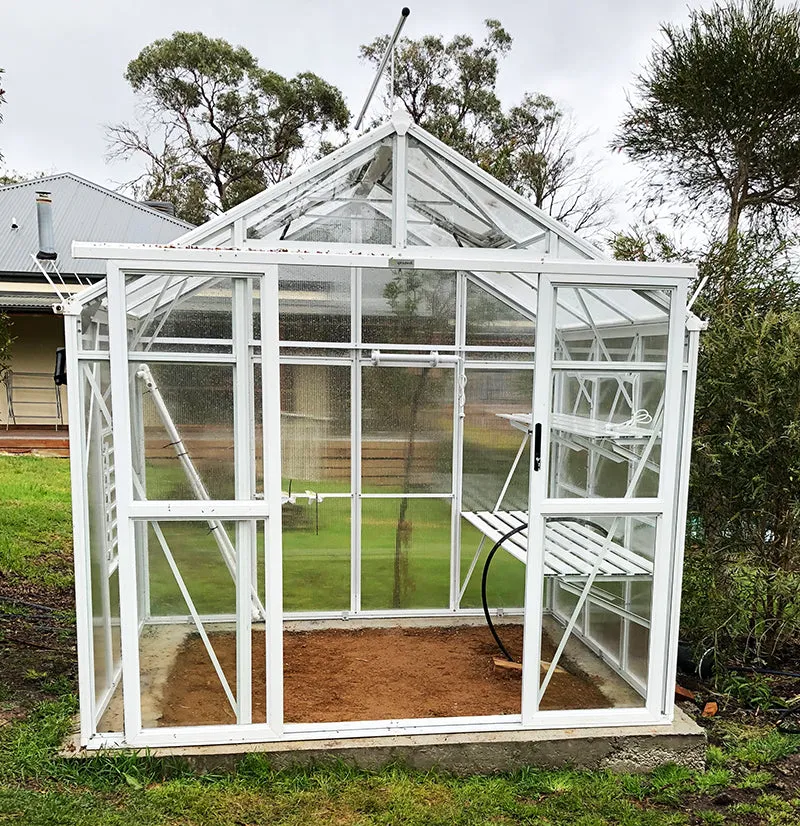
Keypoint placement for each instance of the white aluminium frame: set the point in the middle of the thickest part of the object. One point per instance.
(669, 505)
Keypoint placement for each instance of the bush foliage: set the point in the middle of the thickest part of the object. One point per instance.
(742, 576)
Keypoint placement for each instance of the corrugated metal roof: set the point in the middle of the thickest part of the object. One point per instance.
(28, 301)
(82, 211)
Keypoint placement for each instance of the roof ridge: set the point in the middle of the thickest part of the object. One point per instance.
(103, 190)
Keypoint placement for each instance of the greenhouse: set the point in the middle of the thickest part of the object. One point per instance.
(319, 440)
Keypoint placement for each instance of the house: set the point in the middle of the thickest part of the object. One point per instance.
(80, 209)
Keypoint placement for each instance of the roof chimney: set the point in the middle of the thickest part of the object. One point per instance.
(44, 220)
(167, 207)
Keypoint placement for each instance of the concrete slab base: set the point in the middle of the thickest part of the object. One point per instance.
(630, 749)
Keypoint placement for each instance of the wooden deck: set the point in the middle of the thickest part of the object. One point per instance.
(41, 440)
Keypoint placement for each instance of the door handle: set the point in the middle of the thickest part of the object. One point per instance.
(537, 447)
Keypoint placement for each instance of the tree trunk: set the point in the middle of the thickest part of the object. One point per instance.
(403, 531)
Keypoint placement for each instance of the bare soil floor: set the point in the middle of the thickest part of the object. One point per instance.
(369, 674)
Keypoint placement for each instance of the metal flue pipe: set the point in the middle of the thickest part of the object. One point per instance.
(382, 65)
(44, 220)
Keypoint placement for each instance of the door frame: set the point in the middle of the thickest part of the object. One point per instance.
(542, 505)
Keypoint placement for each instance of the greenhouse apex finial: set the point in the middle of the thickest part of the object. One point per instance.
(401, 119)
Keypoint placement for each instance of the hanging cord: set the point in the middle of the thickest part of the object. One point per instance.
(640, 417)
(489, 557)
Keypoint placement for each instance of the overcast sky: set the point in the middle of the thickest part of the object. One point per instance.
(64, 61)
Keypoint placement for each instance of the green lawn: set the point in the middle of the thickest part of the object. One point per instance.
(753, 774)
(744, 784)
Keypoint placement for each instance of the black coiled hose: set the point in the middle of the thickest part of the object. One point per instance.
(490, 555)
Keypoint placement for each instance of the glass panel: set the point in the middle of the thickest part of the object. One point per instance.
(316, 554)
(492, 322)
(314, 303)
(197, 399)
(492, 440)
(315, 427)
(505, 581)
(179, 682)
(103, 546)
(167, 310)
(408, 307)
(605, 316)
(94, 325)
(603, 427)
(606, 651)
(405, 553)
(407, 429)
(352, 202)
(455, 204)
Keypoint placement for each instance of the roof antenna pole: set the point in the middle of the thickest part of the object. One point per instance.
(382, 65)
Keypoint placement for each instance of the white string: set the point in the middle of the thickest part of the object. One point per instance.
(640, 417)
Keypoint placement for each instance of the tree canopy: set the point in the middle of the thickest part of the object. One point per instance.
(717, 111)
(449, 88)
(214, 127)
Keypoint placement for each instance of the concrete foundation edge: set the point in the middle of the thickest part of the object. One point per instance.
(639, 749)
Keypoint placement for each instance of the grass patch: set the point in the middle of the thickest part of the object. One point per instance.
(125, 788)
(36, 520)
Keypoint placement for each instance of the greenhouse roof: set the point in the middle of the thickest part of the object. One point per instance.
(359, 195)
(357, 200)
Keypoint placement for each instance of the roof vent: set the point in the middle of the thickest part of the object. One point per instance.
(44, 220)
(167, 207)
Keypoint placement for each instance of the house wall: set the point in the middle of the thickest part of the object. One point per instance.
(36, 337)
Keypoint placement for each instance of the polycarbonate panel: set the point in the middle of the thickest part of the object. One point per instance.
(603, 427)
(458, 206)
(316, 554)
(615, 612)
(405, 553)
(494, 322)
(171, 311)
(491, 443)
(314, 303)
(407, 429)
(198, 400)
(606, 312)
(341, 204)
(315, 427)
(408, 307)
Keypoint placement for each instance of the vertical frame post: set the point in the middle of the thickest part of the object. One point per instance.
(459, 378)
(694, 327)
(537, 491)
(664, 558)
(399, 187)
(243, 412)
(273, 564)
(120, 408)
(80, 531)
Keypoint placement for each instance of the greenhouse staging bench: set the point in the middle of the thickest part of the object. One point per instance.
(318, 440)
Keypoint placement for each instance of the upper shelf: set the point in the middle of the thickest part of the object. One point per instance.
(582, 426)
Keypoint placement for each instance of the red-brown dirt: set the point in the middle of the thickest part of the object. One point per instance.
(369, 674)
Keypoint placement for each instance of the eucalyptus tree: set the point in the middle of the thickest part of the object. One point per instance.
(214, 127)
(716, 112)
(449, 87)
